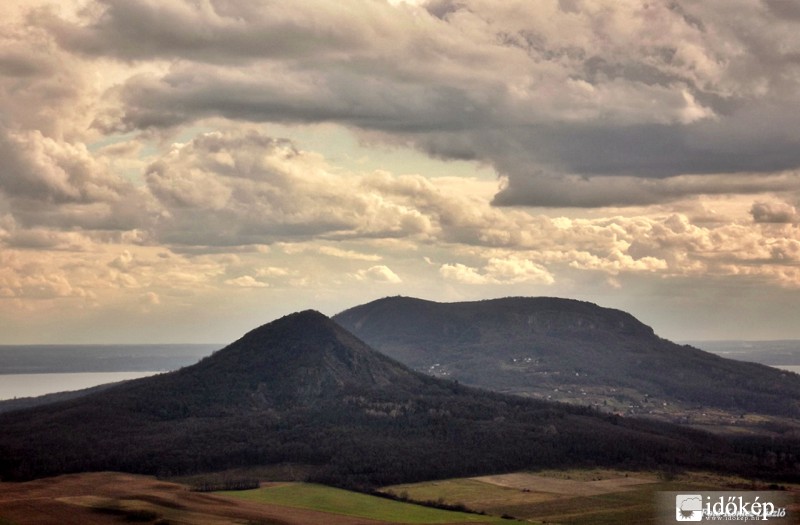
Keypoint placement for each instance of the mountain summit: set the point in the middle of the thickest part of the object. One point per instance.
(577, 352)
(303, 390)
(300, 359)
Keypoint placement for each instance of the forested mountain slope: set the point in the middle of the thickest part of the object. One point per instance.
(571, 351)
(303, 390)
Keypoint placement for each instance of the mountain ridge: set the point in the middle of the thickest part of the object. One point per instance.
(303, 390)
(572, 351)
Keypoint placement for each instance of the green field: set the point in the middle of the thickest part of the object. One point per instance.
(568, 497)
(337, 501)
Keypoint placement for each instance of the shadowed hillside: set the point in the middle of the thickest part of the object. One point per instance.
(571, 351)
(303, 390)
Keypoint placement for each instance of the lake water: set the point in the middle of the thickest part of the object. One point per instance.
(30, 385)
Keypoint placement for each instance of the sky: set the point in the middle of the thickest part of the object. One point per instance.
(186, 170)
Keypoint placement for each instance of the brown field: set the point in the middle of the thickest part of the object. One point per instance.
(576, 496)
(568, 487)
(101, 498)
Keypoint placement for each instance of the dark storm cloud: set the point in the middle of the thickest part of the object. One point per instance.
(19, 64)
(784, 8)
(442, 8)
(218, 30)
(776, 213)
(273, 93)
(543, 189)
(577, 90)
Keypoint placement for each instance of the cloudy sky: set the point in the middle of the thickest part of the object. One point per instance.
(185, 170)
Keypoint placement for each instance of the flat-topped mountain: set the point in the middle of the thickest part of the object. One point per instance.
(303, 390)
(572, 351)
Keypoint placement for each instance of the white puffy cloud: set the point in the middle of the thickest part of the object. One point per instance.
(49, 182)
(39, 168)
(512, 270)
(38, 286)
(379, 273)
(35, 279)
(42, 87)
(232, 188)
(272, 271)
(348, 254)
(246, 281)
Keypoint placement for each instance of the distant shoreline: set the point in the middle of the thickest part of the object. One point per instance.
(17, 386)
(35, 370)
(778, 353)
(53, 359)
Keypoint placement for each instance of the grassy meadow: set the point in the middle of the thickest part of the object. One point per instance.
(336, 501)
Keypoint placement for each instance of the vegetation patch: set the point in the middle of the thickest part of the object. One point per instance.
(130, 515)
(573, 496)
(473, 494)
(279, 472)
(338, 501)
(213, 485)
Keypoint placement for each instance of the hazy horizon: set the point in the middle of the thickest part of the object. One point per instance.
(35, 370)
(184, 171)
(158, 356)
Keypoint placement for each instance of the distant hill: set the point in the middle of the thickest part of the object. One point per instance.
(303, 390)
(576, 352)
